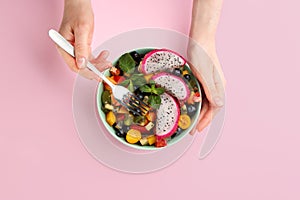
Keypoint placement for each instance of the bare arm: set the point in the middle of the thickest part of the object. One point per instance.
(205, 19)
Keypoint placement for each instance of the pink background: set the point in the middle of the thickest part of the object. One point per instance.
(256, 158)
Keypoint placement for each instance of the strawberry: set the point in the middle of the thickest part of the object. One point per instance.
(160, 142)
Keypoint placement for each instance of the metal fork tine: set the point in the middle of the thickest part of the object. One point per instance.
(142, 106)
(140, 102)
(135, 105)
(130, 108)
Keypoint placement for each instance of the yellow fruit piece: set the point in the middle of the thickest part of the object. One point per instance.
(151, 139)
(148, 77)
(111, 118)
(144, 141)
(185, 72)
(184, 121)
(111, 79)
(133, 136)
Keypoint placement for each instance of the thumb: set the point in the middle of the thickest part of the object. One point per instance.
(82, 47)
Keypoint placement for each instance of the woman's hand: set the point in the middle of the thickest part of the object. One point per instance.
(77, 27)
(203, 58)
(206, 67)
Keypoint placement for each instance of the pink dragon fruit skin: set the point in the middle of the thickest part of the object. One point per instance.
(173, 84)
(167, 116)
(154, 61)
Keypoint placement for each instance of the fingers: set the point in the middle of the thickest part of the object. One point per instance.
(213, 86)
(206, 119)
(206, 70)
(85, 72)
(70, 61)
(202, 113)
(82, 44)
(102, 56)
(100, 62)
(219, 83)
(204, 110)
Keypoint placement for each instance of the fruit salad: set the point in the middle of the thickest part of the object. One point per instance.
(162, 79)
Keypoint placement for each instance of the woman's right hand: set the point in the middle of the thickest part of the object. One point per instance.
(77, 27)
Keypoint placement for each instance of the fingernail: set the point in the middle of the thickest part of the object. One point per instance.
(81, 62)
(105, 54)
(218, 101)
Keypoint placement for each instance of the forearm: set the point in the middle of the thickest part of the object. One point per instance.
(77, 1)
(82, 4)
(205, 19)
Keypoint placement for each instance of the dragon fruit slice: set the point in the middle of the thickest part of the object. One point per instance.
(173, 85)
(161, 60)
(167, 116)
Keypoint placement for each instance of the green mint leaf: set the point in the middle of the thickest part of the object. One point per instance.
(145, 88)
(135, 77)
(152, 82)
(154, 101)
(159, 90)
(157, 99)
(139, 83)
(153, 88)
(127, 63)
(105, 98)
(138, 80)
(124, 83)
(130, 86)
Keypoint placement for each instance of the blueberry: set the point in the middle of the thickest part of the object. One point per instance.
(120, 133)
(125, 128)
(178, 131)
(191, 109)
(137, 112)
(187, 77)
(136, 56)
(177, 72)
(140, 96)
(174, 135)
(135, 87)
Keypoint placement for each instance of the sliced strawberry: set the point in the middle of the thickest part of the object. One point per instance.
(112, 79)
(197, 97)
(197, 94)
(160, 142)
(119, 79)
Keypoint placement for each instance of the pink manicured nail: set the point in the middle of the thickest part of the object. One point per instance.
(81, 62)
(105, 54)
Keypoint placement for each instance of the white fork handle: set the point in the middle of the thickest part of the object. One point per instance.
(65, 45)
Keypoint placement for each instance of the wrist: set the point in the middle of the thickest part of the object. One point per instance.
(205, 19)
(77, 2)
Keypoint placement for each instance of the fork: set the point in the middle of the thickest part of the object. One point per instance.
(121, 94)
